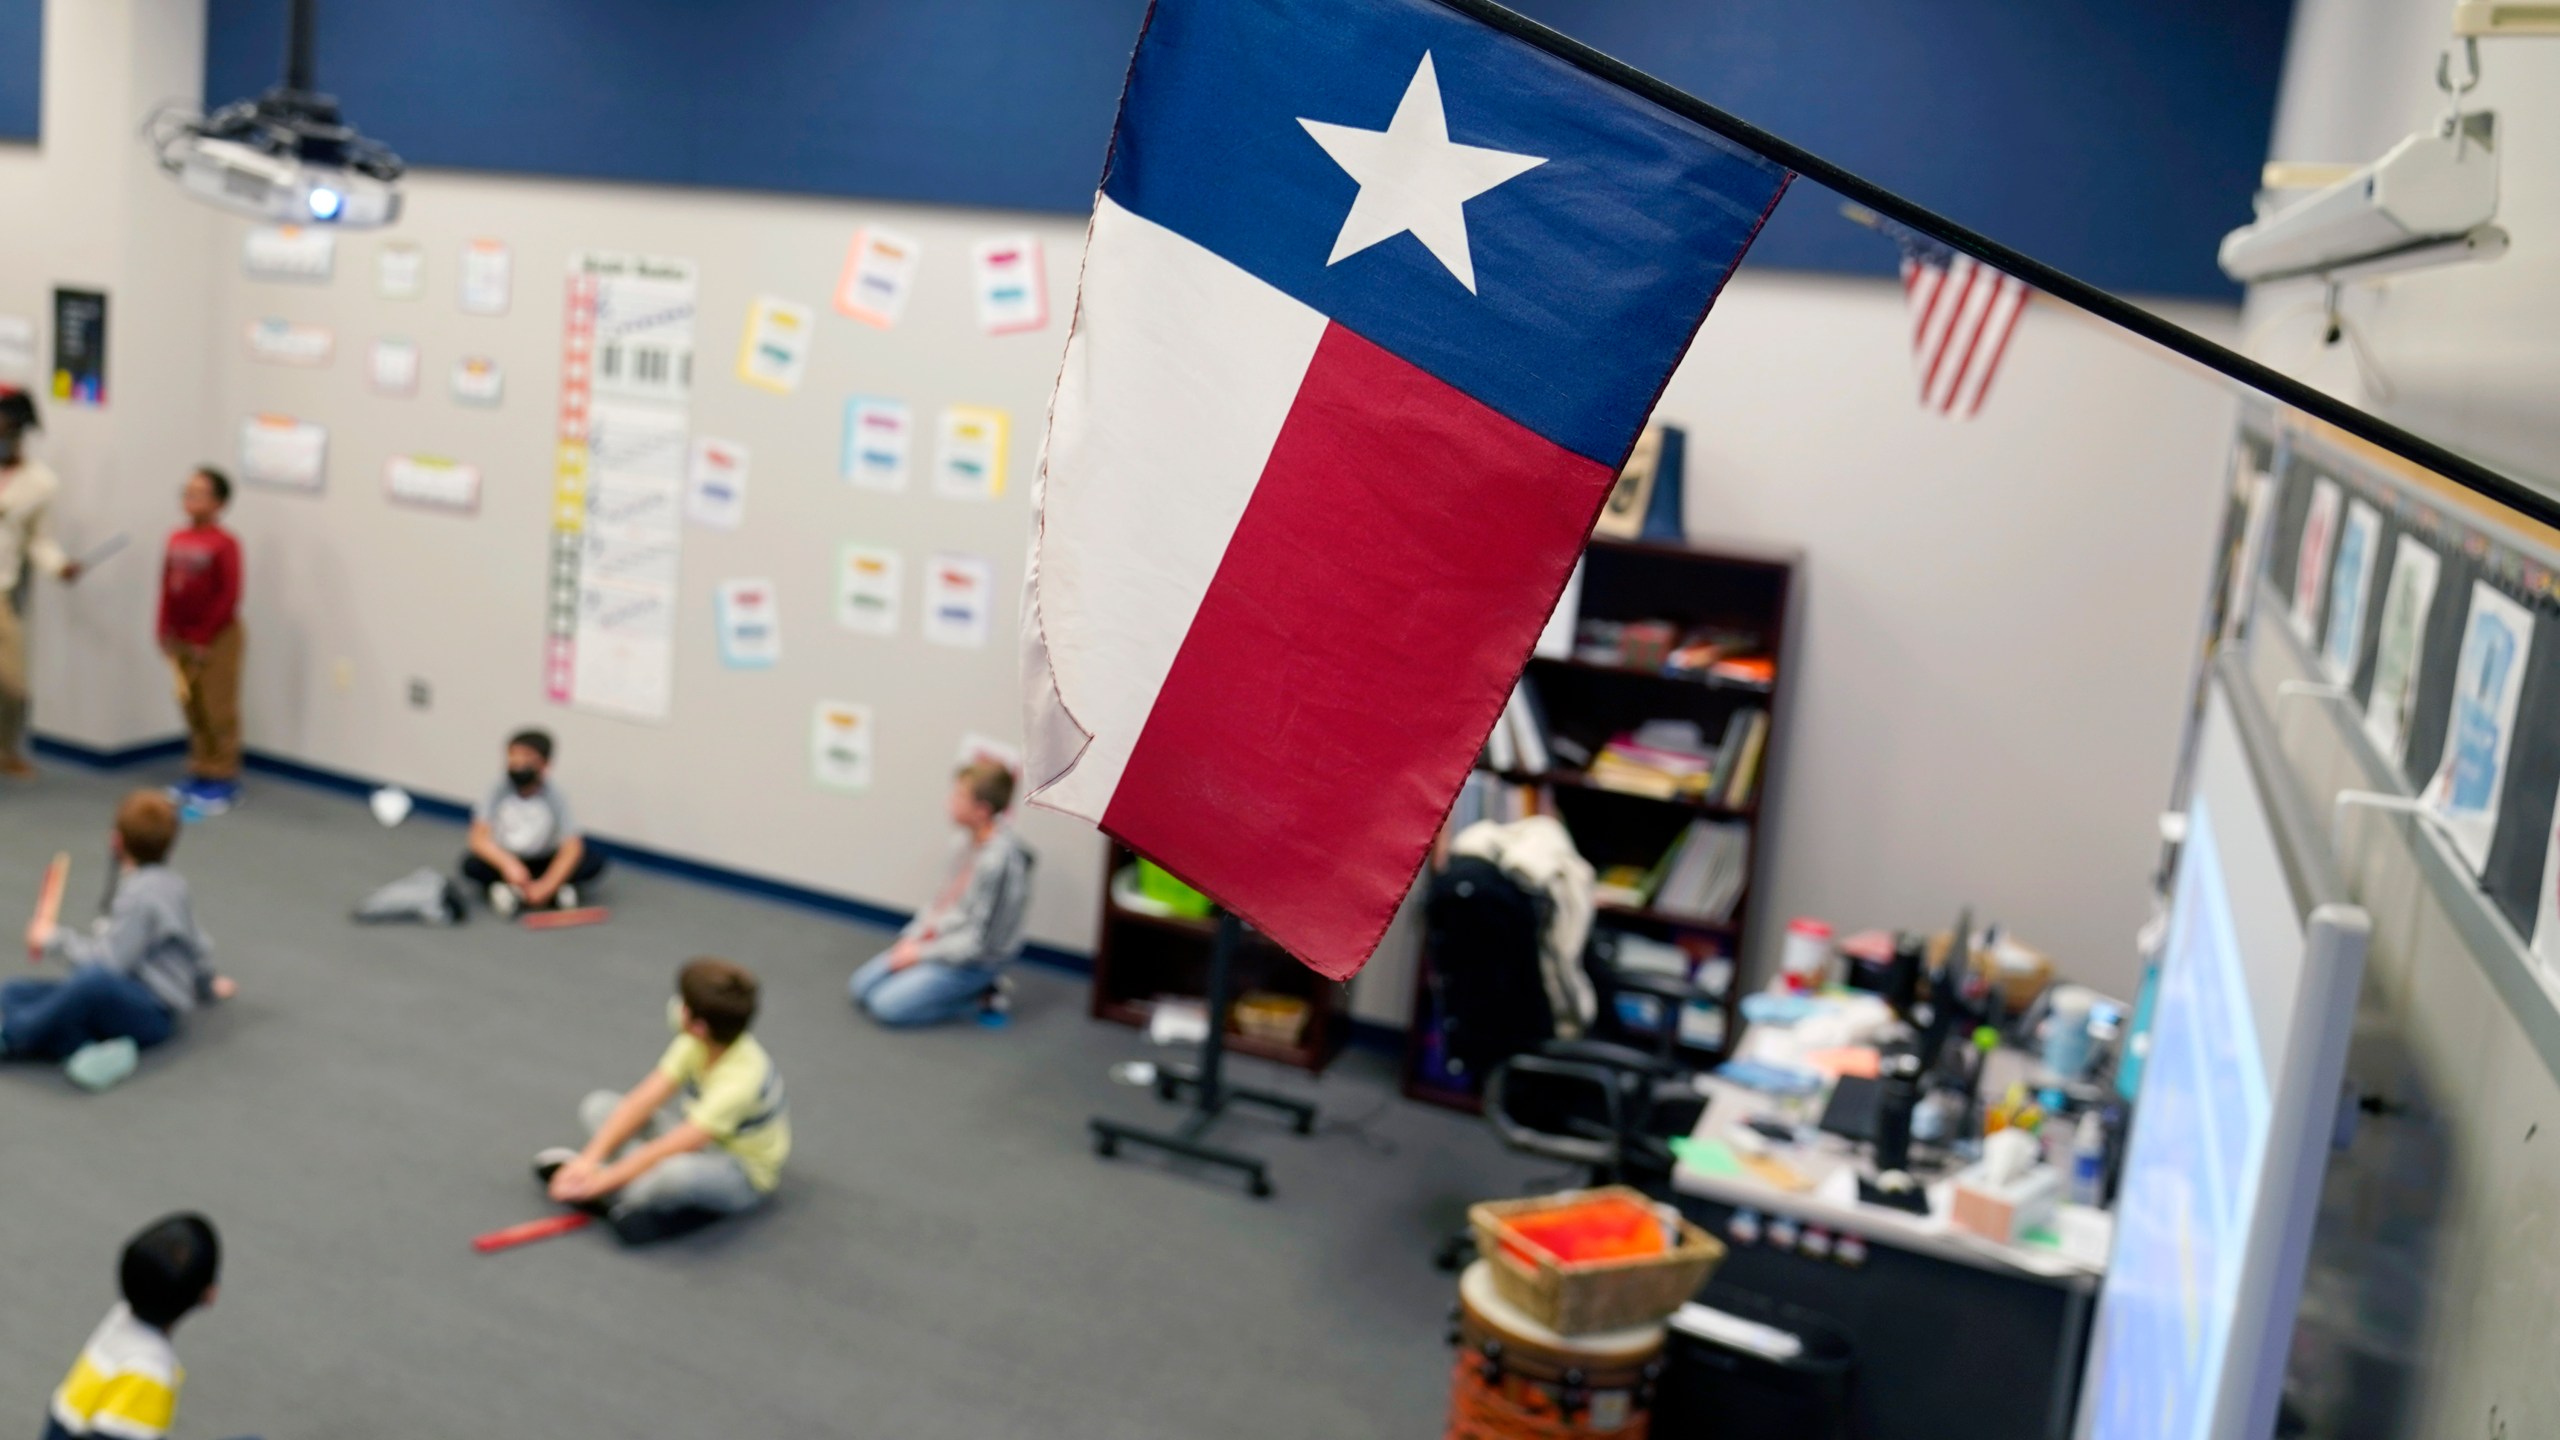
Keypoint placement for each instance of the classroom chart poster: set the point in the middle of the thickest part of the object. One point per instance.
(959, 600)
(2487, 682)
(2350, 589)
(478, 380)
(17, 350)
(869, 580)
(488, 278)
(968, 462)
(2257, 524)
(2311, 561)
(840, 745)
(715, 487)
(749, 616)
(431, 482)
(2406, 602)
(400, 270)
(307, 254)
(879, 270)
(1012, 284)
(773, 354)
(879, 439)
(641, 343)
(282, 342)
(394, 367)
(80, 346)
(283, 453)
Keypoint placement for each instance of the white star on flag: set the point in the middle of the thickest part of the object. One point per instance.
(1412, 179)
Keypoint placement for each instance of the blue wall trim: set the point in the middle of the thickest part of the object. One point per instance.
(2115, 141)
(639, 857)
(21, 69)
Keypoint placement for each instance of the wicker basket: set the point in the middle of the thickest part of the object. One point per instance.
(1578, 1298)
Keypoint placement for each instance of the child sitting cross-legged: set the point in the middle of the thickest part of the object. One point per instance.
(134, 975)
(652, 1175)
(525, 848)
(125, 1383)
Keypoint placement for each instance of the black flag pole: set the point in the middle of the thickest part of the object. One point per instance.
(2275, 384)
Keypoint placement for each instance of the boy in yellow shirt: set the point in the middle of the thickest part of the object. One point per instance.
(723, 1154)
(125, 1383)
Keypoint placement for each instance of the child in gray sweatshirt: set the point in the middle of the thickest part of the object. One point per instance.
(142, 967)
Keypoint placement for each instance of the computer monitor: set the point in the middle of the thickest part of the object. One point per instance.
(2231, 1128)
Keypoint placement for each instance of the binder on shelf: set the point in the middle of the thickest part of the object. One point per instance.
(1744, 783)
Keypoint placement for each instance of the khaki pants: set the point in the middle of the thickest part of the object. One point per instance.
(209, 691)
(13, 679)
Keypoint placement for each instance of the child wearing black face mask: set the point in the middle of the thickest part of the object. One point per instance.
(525, 848)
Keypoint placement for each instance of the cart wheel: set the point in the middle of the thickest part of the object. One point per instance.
(1306, 1123)
(1105, 1146)
(1166, 1090)
(1259, 1187)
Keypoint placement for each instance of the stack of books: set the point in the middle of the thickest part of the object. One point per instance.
(1490, 797)
(1663, 759)
(1519, 741)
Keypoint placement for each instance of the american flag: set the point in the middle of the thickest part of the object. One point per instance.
(1962, 314)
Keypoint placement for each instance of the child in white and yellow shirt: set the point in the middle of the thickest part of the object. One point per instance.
(125, 1383)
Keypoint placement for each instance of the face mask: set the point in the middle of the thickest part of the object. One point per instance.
(524, 779)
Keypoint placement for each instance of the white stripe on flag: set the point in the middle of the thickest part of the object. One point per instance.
(1164, 418)
(1996, 325)
(1961, 345)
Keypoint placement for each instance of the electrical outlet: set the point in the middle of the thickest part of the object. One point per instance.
(420, 696)
(342, 675)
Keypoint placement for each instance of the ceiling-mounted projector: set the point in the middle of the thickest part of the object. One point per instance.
(2429, 201)
(286, 156)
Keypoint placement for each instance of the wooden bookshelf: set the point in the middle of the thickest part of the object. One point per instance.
(1711, 585)
(1138, 957)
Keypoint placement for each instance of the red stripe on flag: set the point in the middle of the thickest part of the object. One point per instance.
(1929, 378)
(1399, 555)
(1973, 342)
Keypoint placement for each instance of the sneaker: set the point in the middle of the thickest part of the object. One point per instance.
(102, 1064)
(547, 1162)
(995, 1008)
(213, 797)
(565, 898)
(504, 900)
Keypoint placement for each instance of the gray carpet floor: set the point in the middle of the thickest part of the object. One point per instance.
(946, 1257)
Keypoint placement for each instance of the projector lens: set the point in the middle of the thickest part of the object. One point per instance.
(325, 203)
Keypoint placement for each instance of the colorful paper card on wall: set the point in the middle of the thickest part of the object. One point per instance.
(2350, 590)
(715, 490)
(879, 270)
(840, 745)
(868, 583)
(879, 438)
(280, 451)
(750, 619)
(2488, 680)
(2311, 561)
(80, 346)
(432, 482)
(395, 367)
(478, 380)
(17, 350)
(1013, 285)
(2397, 651)
(488, 277)
(968, 464)
(306, 253)
(400, 270)
(959, 596)
(774, 352)
(281, 342)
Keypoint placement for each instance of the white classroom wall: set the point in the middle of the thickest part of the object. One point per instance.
(351, 598)
(2466, 355)
(88, 210)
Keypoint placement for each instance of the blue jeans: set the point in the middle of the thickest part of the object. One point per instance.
(928, 992)
(679, 1192)
(48, 1019)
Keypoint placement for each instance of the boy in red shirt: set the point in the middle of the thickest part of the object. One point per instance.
(200, 632)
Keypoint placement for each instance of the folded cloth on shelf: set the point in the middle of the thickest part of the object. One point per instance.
(1539, 856)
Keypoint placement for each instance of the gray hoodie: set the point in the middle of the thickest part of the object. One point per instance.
(148, 934)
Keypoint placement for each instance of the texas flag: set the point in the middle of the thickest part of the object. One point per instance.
(1375, 301)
